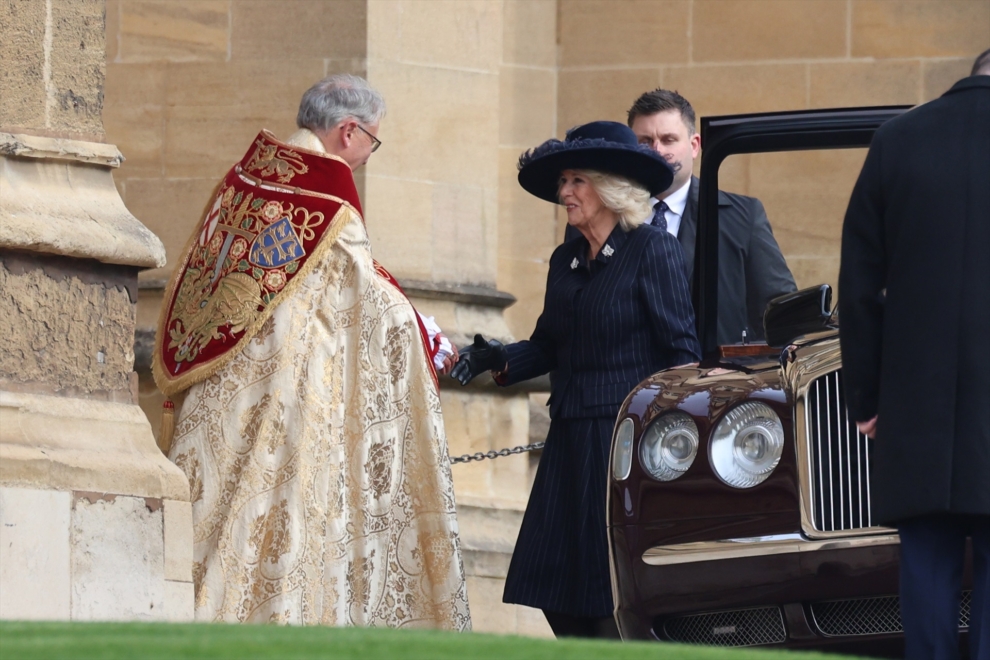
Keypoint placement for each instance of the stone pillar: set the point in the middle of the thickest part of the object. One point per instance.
(94, 522)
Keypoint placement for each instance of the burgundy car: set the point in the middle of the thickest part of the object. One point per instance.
(739, 497)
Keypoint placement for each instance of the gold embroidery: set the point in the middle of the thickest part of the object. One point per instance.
(234, 303)
(270, 536)
(379, 468)
(189, 464)
(269, 159)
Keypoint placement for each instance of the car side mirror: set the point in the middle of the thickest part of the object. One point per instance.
(794, 314)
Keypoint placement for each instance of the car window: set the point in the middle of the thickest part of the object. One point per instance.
(805, 194)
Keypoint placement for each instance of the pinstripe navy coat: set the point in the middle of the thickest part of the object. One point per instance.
(606, 325)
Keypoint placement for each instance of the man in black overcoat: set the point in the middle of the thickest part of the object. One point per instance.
(751, 269)
(914, 315)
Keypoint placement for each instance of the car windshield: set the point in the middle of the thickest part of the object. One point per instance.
(805, 194)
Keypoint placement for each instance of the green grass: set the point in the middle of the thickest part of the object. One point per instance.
(150, 641)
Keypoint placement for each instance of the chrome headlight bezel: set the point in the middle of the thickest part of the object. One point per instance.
(669, 446)
(746, 445)
(622, 443)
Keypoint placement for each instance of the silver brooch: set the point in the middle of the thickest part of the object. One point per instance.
(574, 264)
(608, 251)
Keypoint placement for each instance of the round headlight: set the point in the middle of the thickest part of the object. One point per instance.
(669, 446)
(622, 449)
(747, 444)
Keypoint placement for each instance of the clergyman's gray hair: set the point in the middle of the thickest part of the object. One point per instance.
(336, 98)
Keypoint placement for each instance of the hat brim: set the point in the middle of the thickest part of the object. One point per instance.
(541, 176)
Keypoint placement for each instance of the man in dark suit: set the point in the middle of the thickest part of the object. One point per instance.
(751, 269)
(914, 307)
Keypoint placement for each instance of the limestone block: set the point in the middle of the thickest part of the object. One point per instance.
(526, 280)
(485, 595)
(77, 64)
(805, 195)
(529, 32)
(265, 29)
(940, 76)
(464, 34)
(263, 89)
(171, 208)
(607, 33)
(23, 97)
(206, 141)
(736, 30)
(851, 84)
(113, 11)
(34, 561)
(464, 232)
(385, 29)
(178, 533)
(722, 90)
(63, 326)
(134, 116)
(585, 96)
(454, 142)
(488, 529)
(530, 622)
(733, 174)
(399, 217)
(179, 601)
(117, 559)
(528, 103)
(173, 30)
(511, 478)
(812, 271)
(59, 198)
(74, 444)
(920, 28)
(527, 225)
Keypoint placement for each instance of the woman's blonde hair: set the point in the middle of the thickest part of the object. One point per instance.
(626, 199)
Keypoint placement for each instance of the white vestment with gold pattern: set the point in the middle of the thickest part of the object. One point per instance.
(318, 463)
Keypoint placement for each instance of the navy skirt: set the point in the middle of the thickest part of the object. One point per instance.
(560, 562)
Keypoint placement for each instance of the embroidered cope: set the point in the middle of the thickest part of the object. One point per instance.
(311, 433)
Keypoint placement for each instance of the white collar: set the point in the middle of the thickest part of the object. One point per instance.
(677, 200)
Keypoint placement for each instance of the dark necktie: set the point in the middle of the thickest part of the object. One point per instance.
(659, 219)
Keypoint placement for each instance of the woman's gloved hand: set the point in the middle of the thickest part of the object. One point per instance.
(479, 357)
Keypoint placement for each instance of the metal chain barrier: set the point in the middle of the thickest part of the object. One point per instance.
(467, 458)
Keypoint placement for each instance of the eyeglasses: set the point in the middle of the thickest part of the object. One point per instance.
(375, 142)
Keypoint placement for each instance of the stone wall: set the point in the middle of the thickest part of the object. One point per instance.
(94, 522)
(739, 56)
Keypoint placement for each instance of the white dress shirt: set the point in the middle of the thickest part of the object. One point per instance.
(676, 203)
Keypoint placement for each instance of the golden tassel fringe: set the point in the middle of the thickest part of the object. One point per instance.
(167, 431)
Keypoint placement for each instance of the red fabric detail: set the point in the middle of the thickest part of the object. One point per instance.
(324, 175)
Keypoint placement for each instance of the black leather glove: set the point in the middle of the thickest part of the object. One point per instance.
(479, 357)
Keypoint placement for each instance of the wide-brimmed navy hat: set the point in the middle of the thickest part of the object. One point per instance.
(604, 146)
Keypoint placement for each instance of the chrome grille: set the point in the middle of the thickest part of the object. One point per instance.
(840, 459)
(751, 627)
(870, 616)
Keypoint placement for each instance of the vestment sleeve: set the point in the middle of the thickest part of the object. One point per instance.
(767, 274)
(862, 281)
(667, 298)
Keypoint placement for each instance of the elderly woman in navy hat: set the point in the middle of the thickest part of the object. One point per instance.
(617, 309)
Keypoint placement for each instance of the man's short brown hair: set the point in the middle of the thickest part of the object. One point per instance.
(662, 100)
